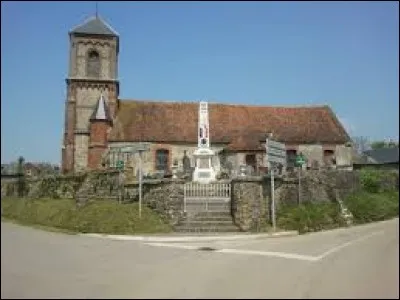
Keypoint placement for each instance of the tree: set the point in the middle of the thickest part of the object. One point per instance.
(361, 144)
(382, 144)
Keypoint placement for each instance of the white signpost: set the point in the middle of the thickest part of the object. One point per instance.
(276, 154)
(138, 148)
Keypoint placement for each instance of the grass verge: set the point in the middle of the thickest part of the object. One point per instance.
(310, 217)
(97, 217)
(371, 207)
(365, 206)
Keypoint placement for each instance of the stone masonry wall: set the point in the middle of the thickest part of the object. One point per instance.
(249, 206)
(251, 196)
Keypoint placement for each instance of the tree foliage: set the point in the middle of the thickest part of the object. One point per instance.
(384, 144)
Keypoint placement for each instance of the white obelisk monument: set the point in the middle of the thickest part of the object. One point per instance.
(204, 171)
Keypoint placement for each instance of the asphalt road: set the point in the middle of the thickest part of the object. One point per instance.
(360, 262)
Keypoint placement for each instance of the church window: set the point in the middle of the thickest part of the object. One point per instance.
(93, 64)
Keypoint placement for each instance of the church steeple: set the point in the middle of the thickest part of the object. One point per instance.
(93, 74)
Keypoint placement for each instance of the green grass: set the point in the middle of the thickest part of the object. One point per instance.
(365, 206)
(96, 217)
(310, 217)
(370, 207)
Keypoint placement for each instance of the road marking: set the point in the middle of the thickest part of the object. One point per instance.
(268, 253)
(340, 247)
(171, 245)
(240, 251)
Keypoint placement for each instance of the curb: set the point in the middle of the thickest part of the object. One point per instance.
(192, 238)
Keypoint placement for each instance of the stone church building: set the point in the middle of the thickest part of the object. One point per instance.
(98, 122)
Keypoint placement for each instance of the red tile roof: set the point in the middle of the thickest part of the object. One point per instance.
(242, 126)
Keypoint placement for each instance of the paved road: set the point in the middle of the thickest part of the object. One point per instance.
(360, 262)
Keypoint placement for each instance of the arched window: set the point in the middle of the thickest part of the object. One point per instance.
(93, 64)
(162, 157)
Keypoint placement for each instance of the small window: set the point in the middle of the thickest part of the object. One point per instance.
(329, 157)
(162, 157)
(291, 158)
(93, 64)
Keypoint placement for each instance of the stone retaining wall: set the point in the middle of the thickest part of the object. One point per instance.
(251, 196)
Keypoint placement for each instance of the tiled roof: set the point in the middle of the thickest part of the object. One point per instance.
(95, 25)
(240, 125)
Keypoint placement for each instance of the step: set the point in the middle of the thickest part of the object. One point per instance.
(206, 223)
(207, 229)
(209, 219)
(211, 214)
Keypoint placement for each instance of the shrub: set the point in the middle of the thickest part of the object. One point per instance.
(98, 216)
(370, 180)
(310, 217)
(375, 181)
(368, 207)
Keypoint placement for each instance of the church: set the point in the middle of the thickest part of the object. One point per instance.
(98, 122)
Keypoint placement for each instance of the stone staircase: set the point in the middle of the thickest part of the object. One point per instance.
(203, 222)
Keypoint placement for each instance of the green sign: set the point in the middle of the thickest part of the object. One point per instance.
(120, 165)
(300, 160)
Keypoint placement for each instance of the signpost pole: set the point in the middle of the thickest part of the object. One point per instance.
(299, 184)
(138, 149)
(273, 198)
(140, 183)
(120, 186)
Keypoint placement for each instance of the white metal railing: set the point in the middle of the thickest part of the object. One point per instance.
(214, 197)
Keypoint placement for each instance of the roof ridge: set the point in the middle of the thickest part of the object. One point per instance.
(224, 103)
(108, 25)
(91, 19)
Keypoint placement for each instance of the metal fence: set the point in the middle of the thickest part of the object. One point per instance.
(212, 197)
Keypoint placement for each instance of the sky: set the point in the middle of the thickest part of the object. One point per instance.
(344, 54)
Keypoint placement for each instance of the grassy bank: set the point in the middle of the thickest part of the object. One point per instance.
(97, 217)
(371, 207)
(377, 200)
(310, 217)
(365, 206)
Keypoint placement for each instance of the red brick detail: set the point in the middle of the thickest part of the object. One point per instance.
(97, 143)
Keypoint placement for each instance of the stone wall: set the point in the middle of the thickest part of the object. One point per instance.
(249, 205)
(45, 187)
(164, 196)
(251, 196)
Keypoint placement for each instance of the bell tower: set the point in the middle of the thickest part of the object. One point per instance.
(93, 73)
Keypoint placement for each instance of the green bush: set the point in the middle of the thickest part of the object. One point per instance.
(310, 217)
(98, 217)
(375, 181)
(369, 207)
(370, 180)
